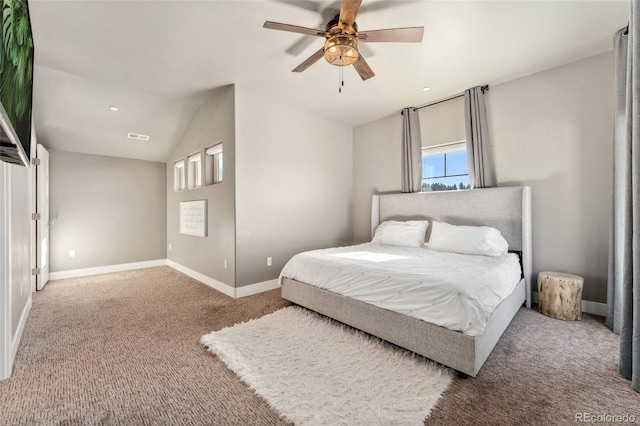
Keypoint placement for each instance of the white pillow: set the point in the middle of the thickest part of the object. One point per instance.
(477, 240)
(404, 234)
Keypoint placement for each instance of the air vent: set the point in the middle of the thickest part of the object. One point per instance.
(138, 136)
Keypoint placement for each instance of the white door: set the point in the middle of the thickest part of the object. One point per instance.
(42, 207)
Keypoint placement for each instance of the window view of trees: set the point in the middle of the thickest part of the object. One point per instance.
(445, 170)
(437, 186)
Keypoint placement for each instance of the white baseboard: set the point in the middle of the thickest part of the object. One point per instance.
(213, 283)
(225, 288)
(588, 307)
(106, 269)
(256, 288)
(15, 343)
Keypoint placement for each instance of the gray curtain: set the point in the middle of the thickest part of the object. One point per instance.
(623, 291)
(479, 155)
(411, 151)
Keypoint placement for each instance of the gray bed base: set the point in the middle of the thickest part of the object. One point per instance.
(507, 209)
(451, 348)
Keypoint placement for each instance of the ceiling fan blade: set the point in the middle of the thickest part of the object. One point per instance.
(404, 35)
(348, 12)
(362, 67)
(296, 48)
(294, 29)
(310, 61)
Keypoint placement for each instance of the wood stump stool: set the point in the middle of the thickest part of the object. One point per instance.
(560, 295)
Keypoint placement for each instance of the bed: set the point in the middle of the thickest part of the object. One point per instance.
(507, 209)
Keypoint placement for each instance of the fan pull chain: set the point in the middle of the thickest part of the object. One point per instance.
(340, 79)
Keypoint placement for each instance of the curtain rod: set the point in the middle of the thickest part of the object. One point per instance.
(450, 98)
(459, 95)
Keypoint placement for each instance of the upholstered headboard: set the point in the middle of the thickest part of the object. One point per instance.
(507, 209)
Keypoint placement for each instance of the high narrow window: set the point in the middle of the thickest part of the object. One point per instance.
(178, 175)
(195, 171)
(214, 164)
(444, 167)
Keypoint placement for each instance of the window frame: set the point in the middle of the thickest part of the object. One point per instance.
(195, 170)
(214, 163)
(443, 149)
(179, 181)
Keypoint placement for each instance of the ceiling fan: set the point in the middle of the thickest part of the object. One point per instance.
(342, 38)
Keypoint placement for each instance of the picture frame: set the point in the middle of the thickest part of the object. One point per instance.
(193, 218)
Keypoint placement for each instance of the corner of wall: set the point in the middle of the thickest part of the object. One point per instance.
(211, 256)
(294, 183)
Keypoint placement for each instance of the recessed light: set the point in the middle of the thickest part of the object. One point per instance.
(113, 108)
(425, 89)
(138, 136)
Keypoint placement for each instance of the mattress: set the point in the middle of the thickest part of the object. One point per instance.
(451, 290)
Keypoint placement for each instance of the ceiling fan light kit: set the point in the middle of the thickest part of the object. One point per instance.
(342, 38)
(341, 50)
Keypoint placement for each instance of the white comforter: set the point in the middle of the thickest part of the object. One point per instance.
(452, 290)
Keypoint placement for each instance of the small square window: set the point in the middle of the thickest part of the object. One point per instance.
(178, 176)
(214, 164)
(195, 171)
(444, 168)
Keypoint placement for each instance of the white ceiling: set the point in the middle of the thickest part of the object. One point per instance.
(156, 60)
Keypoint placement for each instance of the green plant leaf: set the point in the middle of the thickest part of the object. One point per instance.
(22, 30)
(16, 59)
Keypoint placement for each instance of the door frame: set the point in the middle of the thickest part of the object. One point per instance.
(33, 200)
(41, 207)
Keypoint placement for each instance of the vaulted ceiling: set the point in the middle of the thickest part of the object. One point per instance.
(156, 60)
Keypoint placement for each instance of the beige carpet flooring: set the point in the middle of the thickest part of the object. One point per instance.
(123, 349)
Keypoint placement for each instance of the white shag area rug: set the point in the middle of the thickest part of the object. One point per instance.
(315, 371)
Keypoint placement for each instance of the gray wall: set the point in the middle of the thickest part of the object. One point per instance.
(294, 183)
(109, 210)
(213, 122)
(552, 131)
(377, 161)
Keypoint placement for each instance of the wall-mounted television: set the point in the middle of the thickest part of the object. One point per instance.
(16, 81)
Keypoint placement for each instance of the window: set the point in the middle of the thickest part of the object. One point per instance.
(195, 171)
(444, 167)
(214, 164)
(178, 175)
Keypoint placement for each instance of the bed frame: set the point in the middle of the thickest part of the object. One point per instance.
(507, 209)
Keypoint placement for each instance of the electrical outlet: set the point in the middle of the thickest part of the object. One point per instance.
(226, 264)
(269, 261)
(169, 246)
(72, 253)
